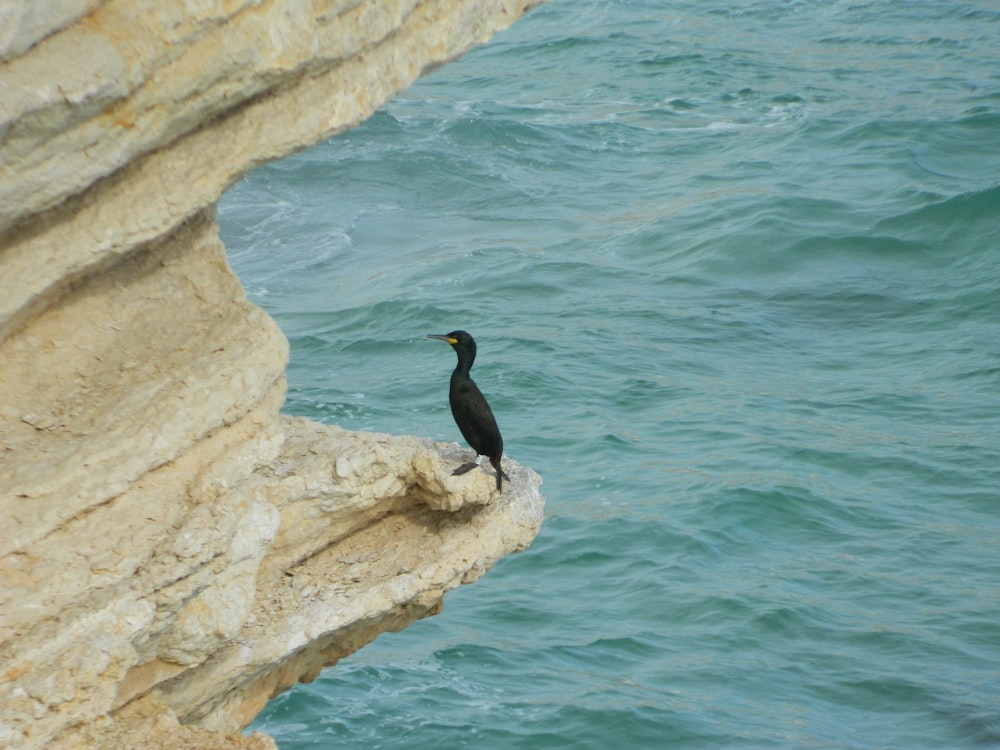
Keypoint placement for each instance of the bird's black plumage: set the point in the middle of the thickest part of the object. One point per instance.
(469, 407)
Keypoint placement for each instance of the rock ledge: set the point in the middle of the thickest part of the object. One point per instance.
(175, 551)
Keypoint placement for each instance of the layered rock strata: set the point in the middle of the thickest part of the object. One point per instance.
(174, 550)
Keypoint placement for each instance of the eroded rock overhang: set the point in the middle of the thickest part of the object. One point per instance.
(175, 551)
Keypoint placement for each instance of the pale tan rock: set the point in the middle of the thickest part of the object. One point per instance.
(174, 551)
(393, 569)
(23, 24)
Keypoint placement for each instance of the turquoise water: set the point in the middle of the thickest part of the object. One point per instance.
(734, 271)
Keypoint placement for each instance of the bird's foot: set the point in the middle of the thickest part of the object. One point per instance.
(464, 468)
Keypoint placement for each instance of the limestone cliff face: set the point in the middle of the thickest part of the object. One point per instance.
(173, 550)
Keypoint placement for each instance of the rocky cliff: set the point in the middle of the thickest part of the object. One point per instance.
(174, 551)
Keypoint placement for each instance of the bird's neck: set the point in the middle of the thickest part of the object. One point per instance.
(463, 367)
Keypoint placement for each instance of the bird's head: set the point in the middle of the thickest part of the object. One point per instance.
(460, 341)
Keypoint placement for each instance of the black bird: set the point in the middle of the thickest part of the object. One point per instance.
(469, 408)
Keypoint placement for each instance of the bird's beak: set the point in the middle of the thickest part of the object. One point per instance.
(440, 337)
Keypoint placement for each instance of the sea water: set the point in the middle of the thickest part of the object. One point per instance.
(734, 272)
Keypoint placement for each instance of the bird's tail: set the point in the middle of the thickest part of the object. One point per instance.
(501, 475)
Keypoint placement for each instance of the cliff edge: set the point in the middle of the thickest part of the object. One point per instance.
(174, 550)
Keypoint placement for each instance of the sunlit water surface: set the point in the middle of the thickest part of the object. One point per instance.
(734, 270)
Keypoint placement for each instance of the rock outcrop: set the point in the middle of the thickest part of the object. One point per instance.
(174, 550)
